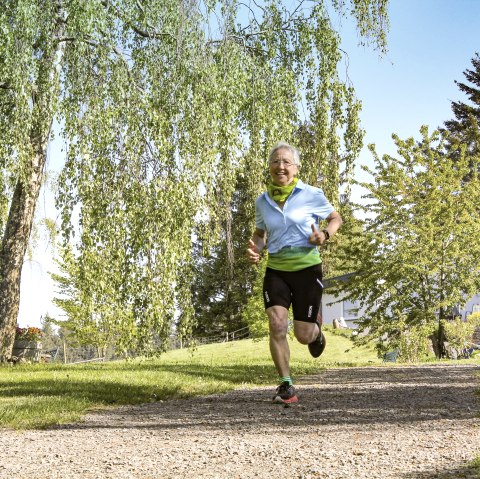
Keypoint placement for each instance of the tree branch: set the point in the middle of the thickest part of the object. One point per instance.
(96, 45)
(140, 6)
(251, 11)
(114, 49)
(295, 11)
(139, 31)
(76, 39)
(239, 39)
(258, 6)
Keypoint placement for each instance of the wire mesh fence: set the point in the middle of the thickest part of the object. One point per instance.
(69, 354)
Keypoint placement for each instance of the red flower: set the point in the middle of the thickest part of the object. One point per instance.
(29, 333)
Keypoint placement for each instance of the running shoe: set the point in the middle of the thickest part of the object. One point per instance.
(285, 394)
(316, 348)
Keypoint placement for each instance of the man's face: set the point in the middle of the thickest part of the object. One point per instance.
(282, 168)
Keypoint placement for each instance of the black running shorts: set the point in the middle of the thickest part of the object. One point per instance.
(301, 289)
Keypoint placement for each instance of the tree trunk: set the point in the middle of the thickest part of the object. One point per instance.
(438, 341)
(22, 208)
(12, 253)
(439, 338)
(441, 341)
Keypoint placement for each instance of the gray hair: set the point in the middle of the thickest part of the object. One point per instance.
(281, 145)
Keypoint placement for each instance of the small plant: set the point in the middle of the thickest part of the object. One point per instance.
(412, 341)
(460, 332)
(29, 333)
(475, 464)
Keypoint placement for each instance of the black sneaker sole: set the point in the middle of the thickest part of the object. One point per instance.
(317, 347)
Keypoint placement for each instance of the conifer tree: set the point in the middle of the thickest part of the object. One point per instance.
(465, 127)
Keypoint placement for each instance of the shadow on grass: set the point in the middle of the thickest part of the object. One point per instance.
(342, 397)
(332, 397)
(39, 397)
(133, 383)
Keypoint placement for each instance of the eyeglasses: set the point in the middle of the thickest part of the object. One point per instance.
(286, 164)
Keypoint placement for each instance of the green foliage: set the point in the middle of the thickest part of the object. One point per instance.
(414, 341)
(474, 318)
(254, 312)
(459, 332)
(421, 247)
(415, 344)
(337, 257)
(50, 337)
(475, 464)
(163, 106)
(99, 314)
(222, 279)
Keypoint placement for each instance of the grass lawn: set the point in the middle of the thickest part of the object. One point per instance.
(39, 395)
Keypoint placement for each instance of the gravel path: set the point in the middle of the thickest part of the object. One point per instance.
(399, 423)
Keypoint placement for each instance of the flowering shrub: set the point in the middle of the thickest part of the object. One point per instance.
(28, 334)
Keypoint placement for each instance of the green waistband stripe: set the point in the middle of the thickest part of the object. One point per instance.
(294, 258)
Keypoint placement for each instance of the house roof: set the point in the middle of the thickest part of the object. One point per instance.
(331, 282)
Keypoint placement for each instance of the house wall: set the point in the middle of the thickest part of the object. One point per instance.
(332, 309)
(471, 306)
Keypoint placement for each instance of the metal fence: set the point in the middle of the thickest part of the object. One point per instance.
(89, 353)
(223, 337)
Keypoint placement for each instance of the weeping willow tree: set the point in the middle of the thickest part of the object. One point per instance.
(161, 105)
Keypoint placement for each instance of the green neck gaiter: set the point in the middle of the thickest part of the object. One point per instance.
(280, 193)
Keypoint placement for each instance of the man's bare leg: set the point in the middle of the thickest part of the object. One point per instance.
(280, 351)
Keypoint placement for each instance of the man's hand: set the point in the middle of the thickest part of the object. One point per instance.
(253, 253)
(317, 237)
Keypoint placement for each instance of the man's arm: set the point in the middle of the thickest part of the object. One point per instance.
(334, 221)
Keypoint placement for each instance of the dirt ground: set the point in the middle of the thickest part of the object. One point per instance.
(378, 422)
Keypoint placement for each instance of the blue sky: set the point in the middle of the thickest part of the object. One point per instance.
(430, 43)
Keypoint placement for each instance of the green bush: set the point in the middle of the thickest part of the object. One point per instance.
(254, 315)
(415, 343)
(475, 319)
(459, 333)
(412, 341)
